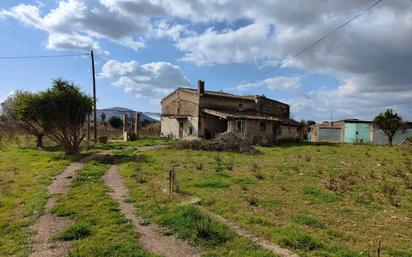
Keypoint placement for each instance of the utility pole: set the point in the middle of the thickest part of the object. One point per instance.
(94, 100)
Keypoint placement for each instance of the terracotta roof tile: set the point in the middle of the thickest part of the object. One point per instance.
(251, 115)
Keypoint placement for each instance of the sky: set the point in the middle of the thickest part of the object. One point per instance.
(144, 49)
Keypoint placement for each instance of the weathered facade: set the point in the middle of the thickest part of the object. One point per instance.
(191, 114)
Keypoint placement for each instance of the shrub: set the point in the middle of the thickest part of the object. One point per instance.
(227, 141)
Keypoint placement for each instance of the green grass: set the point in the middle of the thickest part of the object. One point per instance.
(191, 223)
(24, 175)
(187, 222)
(326, 200)
(100, 229)
(307, 220)
(75, 232)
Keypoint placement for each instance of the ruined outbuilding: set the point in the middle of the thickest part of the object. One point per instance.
(191, 114)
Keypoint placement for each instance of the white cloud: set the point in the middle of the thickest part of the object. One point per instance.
(78, 24)
(280, 83)
(151, 81)
(373, 54)
(247, 44)
(175, 32)
(72, 42)
(283, 83)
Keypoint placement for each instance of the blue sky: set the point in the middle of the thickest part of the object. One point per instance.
(145, 49)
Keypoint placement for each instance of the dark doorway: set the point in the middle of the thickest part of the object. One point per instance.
(180, 130)
(275, 131)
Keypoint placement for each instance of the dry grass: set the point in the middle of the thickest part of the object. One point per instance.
(318, 200)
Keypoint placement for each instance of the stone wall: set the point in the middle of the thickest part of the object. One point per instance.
(290, 133)
(169, 128)
(226, 103)
(275, 108)
(263, 131)
(181, 102)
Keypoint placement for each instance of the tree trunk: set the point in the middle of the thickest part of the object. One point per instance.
(39, 141)
(70, 149)
(390, 139)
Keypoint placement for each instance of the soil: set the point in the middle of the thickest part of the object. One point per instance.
(151, 236)
(48, 225)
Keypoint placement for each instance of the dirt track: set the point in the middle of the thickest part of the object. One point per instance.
(151, 237)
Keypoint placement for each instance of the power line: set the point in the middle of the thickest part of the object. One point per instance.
(283, 61)
(41, 56)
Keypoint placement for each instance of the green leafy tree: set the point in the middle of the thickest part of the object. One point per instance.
(63, 109)
(18, 115)
(115, 122)
(390, 123)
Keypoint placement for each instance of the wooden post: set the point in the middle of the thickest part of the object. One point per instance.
(170, 182)
(88, 130)
(137, 125)
(94, 99)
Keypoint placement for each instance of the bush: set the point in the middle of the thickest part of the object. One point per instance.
(227, 141)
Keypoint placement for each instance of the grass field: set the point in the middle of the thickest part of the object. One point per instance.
(328, 200)
(99, 229)
(24, 175)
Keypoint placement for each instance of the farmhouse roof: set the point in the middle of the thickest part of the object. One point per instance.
(249, 115)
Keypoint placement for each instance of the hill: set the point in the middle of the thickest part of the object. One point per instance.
(120, 111)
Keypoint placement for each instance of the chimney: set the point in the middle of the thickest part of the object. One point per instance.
(201, 87)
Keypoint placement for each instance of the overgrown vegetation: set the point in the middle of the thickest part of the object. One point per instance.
(326, 200)
(60, 113)
(14, 116)
(182, 218)
(227, 141)
(24, 175)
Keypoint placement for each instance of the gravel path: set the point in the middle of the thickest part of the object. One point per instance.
(48, 224)
(151, 236)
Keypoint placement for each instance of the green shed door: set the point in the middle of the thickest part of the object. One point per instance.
(357, 133)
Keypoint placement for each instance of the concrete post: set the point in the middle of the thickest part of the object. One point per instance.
(137, 125)
(125, 127)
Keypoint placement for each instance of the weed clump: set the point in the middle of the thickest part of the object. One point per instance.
(391, 192)
(75, 232)
(191, 223)
(308, 221)
(300, 240)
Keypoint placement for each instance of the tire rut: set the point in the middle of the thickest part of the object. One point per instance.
(151, 236)
(48, 224)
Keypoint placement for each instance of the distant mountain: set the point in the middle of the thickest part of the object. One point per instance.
(120, 111)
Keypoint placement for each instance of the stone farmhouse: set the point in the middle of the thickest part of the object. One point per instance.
(191, 114)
